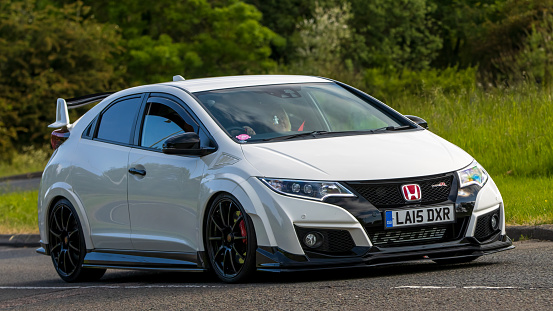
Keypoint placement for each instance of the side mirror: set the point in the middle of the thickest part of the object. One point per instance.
(187, 144)
(419, 121)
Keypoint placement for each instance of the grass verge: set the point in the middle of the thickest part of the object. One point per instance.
(507, 131)
(528, 201)
(18, 212)
(29, 160)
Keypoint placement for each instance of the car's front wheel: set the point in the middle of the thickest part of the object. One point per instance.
(67, 246)
(230, 240)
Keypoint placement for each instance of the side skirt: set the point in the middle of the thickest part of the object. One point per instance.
(142, 260)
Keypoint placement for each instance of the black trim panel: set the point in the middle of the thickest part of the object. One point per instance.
(278, 260)
(149, 260)
(77, 102)
(44, 249)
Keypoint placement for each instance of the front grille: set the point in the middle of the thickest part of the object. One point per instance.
(334, 241)
(388, 194)
(416, 235)
(484, 230)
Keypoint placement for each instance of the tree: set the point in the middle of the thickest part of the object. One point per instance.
(516, 43)
(282, 17)
(196, 38)
(459, 23)
(45, 53)
(397, 34)
(321, 41)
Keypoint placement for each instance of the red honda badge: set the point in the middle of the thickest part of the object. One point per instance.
(411, 192)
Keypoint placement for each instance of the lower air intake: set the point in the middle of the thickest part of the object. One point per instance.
(397, 237)
(484, 230)
(334, 241)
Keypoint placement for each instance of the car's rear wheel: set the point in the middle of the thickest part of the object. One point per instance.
(67, 246)
(230, 240)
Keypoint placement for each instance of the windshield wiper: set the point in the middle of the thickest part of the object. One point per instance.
(316, 133)
(313, 133)
(391, 128)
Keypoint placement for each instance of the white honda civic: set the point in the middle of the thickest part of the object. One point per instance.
(267, 173)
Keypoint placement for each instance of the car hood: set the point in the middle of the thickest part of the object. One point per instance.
(357, 157)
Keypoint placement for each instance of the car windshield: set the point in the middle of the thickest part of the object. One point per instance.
(287, 111)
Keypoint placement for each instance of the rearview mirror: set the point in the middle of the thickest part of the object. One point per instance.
(187, 144)
(419, 121)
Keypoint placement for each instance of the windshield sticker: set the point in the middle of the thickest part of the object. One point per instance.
(243, 137)
(300, 129)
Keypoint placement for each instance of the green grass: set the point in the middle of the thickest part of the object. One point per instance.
(509, 132)
(18, 212)
(528, 201)
(28, 161)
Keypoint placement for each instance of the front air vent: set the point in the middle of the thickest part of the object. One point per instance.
(388, 194)
(419, 235)
(485, 226)
(334, 242)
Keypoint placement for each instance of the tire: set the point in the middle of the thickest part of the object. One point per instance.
(453, 261)
(230, 240)
(67, 246)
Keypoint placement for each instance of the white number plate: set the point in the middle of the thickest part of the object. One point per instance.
(419, 216)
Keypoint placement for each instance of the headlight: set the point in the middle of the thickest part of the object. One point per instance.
(314, 190)
(474, 174)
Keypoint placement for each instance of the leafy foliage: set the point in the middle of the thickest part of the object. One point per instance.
(404, 82)
(196, 38)
(320, 41)
(47, 53)
(507, 47)
(393, 49)
(397, 34)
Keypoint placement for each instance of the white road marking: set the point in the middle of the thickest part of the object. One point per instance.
(455, 287)
(425, 287)
(108, 287)
(491, 287)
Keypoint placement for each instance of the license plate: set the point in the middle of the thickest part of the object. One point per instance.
(419, 216)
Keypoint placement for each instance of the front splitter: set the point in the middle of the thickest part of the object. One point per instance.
(277, 260)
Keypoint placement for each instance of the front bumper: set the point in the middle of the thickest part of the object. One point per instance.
(277, 260)
(371, 245)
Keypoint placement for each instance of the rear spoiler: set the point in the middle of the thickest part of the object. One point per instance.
(62, 114)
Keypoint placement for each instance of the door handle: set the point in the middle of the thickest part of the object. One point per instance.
(134, 171)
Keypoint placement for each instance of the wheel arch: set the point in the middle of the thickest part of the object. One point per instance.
(249, 200)
(53, 195)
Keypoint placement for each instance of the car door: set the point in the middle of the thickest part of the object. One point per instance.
(101, 177)
(163, 188)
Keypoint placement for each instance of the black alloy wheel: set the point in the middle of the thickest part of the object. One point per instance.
(67, 246)
(230, 240)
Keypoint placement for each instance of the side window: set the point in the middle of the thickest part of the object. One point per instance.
(160, 123)
(116, 123)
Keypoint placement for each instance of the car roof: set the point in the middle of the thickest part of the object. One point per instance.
(217, 83)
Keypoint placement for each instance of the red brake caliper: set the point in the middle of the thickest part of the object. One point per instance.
(242, 225)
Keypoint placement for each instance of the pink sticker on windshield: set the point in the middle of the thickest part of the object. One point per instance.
(243, 137)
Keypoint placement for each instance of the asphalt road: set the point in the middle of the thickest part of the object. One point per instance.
(520, 279)
(23, 184)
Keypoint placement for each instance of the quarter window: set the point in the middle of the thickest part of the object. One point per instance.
(116, 123)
